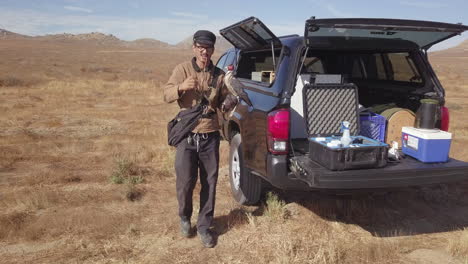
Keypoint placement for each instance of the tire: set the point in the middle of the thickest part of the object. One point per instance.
(245, 186)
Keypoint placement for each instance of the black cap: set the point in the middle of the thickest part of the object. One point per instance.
(204, 37)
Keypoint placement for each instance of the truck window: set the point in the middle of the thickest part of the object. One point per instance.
(403, 67)
(229, 60)
(357, 70)
(379, 67)
(258, 66)
(313, 65)
(384, 67)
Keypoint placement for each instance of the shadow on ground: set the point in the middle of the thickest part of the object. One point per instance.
(235, 218)
(398, 212)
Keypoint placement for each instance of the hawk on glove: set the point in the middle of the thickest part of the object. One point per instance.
(236, 87)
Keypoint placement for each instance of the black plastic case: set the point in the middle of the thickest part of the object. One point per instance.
(325, 107)
(349, 158)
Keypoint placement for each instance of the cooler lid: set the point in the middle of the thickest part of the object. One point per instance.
(327, 105)
(427, 133)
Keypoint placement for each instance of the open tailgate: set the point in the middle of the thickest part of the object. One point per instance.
(408, 172)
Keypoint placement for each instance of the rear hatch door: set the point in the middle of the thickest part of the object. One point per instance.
(250, 34)
(423, 33)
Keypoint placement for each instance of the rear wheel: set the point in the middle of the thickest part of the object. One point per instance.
(245, 186)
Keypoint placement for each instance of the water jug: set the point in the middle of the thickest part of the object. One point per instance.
(426, 116)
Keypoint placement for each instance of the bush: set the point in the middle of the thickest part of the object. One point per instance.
(126, 171)
(275, 207)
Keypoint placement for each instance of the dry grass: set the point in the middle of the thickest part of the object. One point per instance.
(125, 171)
(458, 245)
(75, 119)
(265, 235)
(275, 208)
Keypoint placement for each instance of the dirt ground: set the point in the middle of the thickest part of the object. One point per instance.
(86, 175)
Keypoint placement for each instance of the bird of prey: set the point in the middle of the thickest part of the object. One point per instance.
(235, 86)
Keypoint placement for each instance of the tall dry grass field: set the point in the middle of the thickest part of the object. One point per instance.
(86, 176)
(452, 68)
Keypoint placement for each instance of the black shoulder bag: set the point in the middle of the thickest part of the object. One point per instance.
(183, 123)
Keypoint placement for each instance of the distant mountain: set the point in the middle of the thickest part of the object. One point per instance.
(98, 38)
(148, 43)
(461, 50)
(95, 37)
(460, 47)
(463, 45)
(5, 34)
(221, 44)
(185, 43)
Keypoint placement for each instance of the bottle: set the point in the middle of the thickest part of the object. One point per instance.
(346, 138)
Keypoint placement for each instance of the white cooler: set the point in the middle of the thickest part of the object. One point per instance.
(426, 145)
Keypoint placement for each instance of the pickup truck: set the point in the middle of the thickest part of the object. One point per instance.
(385, 58)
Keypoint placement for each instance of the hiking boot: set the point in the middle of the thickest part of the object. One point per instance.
(207, 239)
(185, 227)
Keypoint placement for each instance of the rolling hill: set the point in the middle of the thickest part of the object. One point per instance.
(461, 50)
(97, 38)
(221, 44)
(5, 34)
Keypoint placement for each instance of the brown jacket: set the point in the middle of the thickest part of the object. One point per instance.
(210, 85)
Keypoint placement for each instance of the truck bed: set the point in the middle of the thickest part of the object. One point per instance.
(406, 172)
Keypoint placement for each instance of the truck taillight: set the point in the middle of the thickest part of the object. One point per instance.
(444, 118)
(278, 131)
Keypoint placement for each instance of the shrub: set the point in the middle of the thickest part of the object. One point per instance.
(275, 207)
(126, 171)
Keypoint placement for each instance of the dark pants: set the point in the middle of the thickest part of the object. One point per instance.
(188, 165)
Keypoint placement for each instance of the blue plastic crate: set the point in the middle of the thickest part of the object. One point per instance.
(372, 126)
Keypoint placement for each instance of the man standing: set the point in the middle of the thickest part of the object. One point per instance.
(190, 83)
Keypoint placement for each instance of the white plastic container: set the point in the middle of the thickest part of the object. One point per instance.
(346, 138)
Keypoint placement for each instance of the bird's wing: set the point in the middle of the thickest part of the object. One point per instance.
(236, 87)
(228, 78)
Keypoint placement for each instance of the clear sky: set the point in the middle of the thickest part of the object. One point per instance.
(172, 21)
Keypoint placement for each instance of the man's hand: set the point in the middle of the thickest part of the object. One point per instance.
(190, 83)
